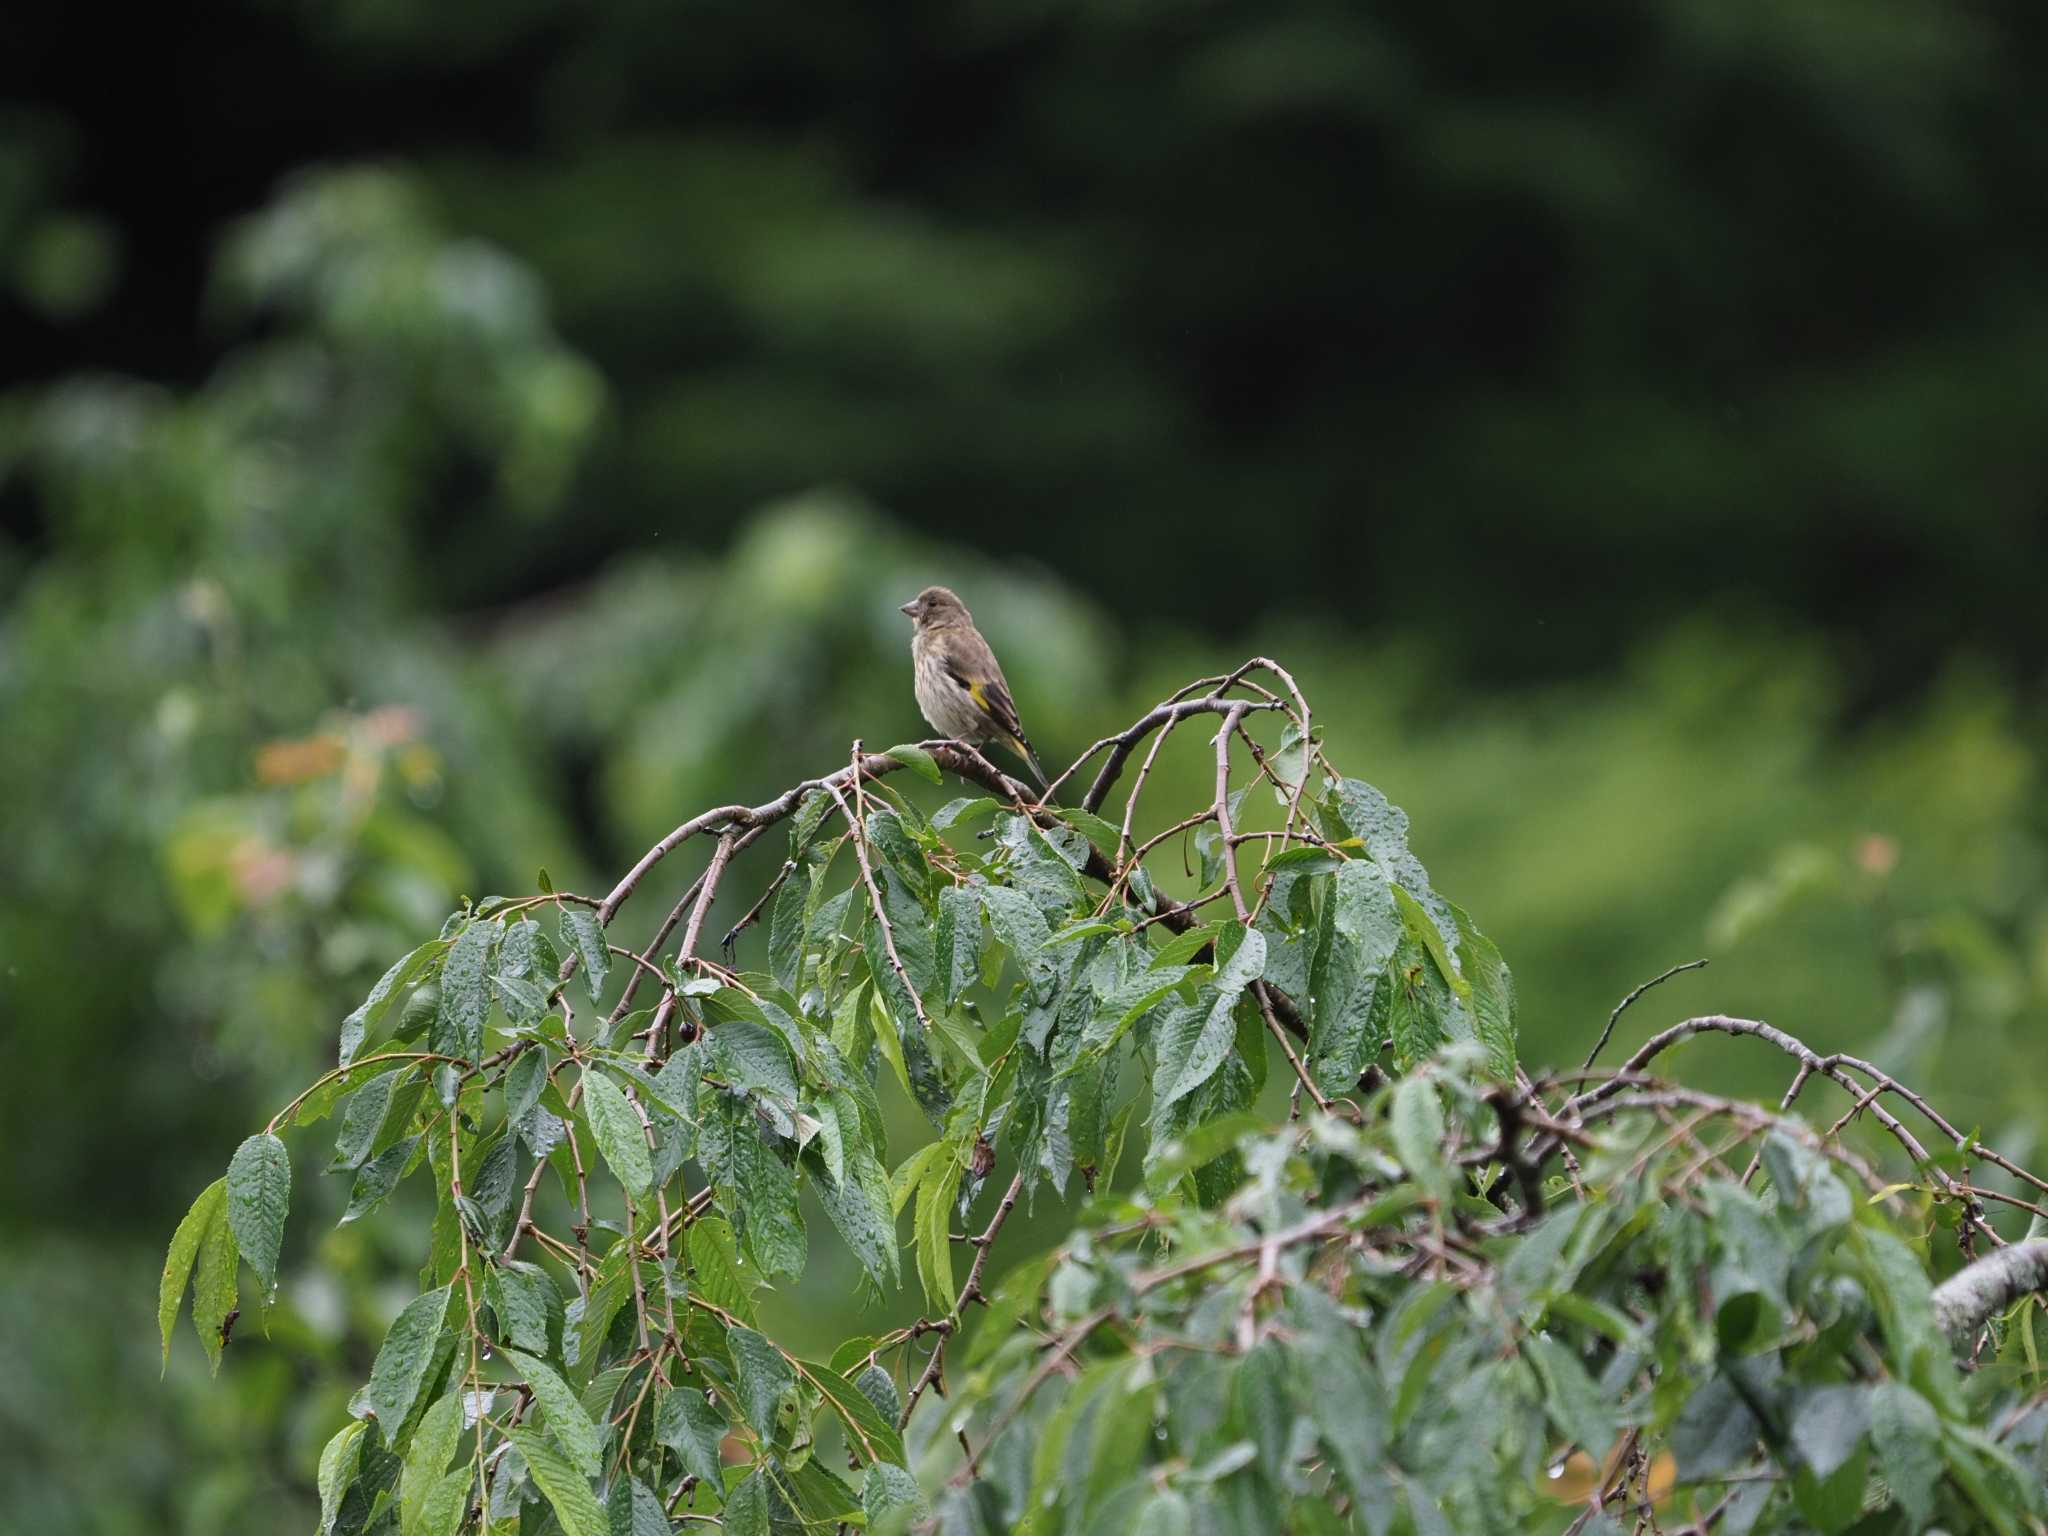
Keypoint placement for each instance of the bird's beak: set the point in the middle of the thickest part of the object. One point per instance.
(909, 608)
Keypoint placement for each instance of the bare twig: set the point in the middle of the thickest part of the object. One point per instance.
(1621, 1007)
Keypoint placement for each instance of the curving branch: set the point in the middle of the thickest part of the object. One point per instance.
(1971, 1297)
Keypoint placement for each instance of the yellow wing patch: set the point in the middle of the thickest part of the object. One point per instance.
(981, 699)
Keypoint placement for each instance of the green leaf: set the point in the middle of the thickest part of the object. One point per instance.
(916, 759)
(566, 1490)
(858, 1206)
(259, 1190)
(371, 1011)
(1828, 1423)
(447, 1502)
(582, 932)
(1343, 1395)
(377, 1178)
(618, 1133)
(170, 1293)
(694, 1429)
(1418, 1126)
(363, 1119)
(1576, 1405)
(754, 1059)
(764, 1375)
(524, 1079)
(580, 1439)
(867, 1433)
(1019, 926)
(1185, 1067)
(1905, 1432)
(634, 1510)
(787, 922)
(1166, 1513)
(433, 1442)
(965, 811)
(1016, 1295)
(465, 1004)
(746, 1507)
(1493, 994)
(1714, 1433)
(524, 1000)
(402, 1360)
(935, 1189)
(888, 1490)
(213, 1282)
(338, 1462)
(526, 1303)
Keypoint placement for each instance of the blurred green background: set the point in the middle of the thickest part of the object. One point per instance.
(438, 442)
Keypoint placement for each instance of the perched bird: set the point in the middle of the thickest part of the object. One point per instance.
(959, 683)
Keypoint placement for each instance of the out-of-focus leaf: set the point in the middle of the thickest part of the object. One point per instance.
(1418, 1126)
(1575, 1403)
(1905, 1432)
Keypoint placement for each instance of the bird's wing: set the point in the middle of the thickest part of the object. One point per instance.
(992, 695)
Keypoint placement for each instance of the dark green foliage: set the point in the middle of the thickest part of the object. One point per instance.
(1393, 1314)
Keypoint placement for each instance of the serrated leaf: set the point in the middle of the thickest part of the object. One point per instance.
(764, 1375)
(565, 1489)
(694, 1429)
(402, 1360)
(1196, 1062)
(582, 932)
(888, 1490)
(567, 1422)
(259, 1191)
(618, 1133)
(426, 1459)
(524, 1079)
(526, 1303)
(208, 1209)
(746, 1507)
(633, 1509)
(465, 1004)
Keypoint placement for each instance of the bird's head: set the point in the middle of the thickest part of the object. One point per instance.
(936, 606)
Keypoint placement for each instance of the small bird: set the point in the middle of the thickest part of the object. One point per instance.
(960, 685)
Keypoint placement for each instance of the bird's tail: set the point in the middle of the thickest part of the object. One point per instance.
(1023, 749)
